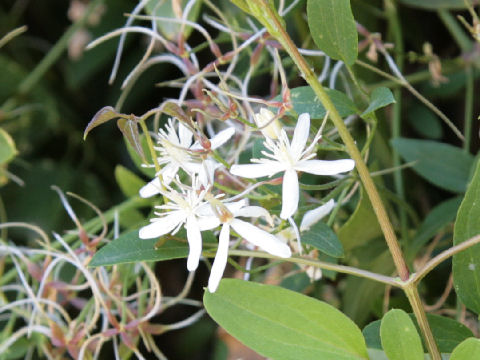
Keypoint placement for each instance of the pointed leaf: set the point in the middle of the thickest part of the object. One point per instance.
(102, 116)
(466, 264)
(441, 164)
(282, 324)
(129, 182)
(175, 111)
(322, 237)
(129, 129)
(379, 98)
(7, 147)
(400, 338)
(130, 248)
(333, 28)
(467, 350)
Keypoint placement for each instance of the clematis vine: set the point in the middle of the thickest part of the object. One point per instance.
(229, 214)
(290, 157)
(178, 151)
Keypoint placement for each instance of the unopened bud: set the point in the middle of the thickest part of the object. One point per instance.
(265, 117)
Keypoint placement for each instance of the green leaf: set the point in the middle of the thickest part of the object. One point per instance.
(448, 333)
(282, 324)
(439, 217)
(467, 350)
(441, 164)
(129, 183)
(333, 28)
(321, 237)
(304, 100)
(425, 122)
(7, 147)
(399, 336)
(103, 115)
(164, 9)
(137, 160)
(362, 225)
(130, 248)
(466, 264)
(436, 4)
(379, 98)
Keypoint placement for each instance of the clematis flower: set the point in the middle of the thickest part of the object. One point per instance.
(289, 158)
(176, 151)
(186, 208)
(253, 234)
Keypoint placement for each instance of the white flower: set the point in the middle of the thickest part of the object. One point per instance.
(177, 151)
(289, 158)
(186, 208)
(258, 237)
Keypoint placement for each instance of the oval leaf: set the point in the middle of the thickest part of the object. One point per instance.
(333, 28)
(467, 350)
(102, 116)
(321, 237)
(399, 336)
(441, 164)
(129, 183)
(130, 248)
(466, 264)
(304, 100)
(282, 324)
(448, 333)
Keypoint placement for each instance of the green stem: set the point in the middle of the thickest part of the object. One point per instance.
(417, 307)
(468, 107)
(396, 30)
(56, 51)
(271, 20)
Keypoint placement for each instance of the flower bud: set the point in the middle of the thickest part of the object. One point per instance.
(265, 117)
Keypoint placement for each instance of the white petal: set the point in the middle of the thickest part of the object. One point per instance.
(235, 206)
(261, 238)
(194, 237)
(208, 222)
(221, 138)
(325, 167)
(207, 172)
(313, 216)
(300, 135)
(220, 259)
(254, 211)
(169, 172)
(185, 135)
(161, 226)
(290, 194)
(313, 273)
(252, 171)
(150, 189)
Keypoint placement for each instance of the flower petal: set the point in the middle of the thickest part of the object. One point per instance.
(290, 194)
(161, 226)
(252, 171)
(194, 237)
(207, 222)
(325, 167)
(300, 135)
(313, 216)
(151, 189)
(254, 211)
(220, 259)
(261, 238)
(185, 135)
(169, 172)
(221, 138)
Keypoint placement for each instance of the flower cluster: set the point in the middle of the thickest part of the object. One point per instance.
(197, 206)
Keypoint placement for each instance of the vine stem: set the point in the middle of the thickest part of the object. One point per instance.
(271, 20)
